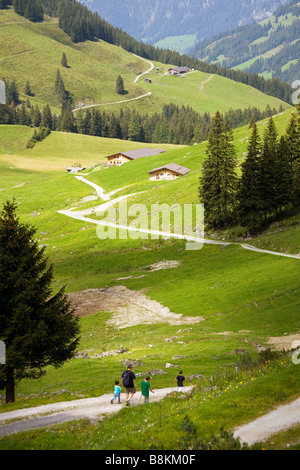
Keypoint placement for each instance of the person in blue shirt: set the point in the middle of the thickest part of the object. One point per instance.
(117, 392)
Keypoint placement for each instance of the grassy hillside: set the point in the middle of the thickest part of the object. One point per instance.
(32, 52)
(270, 47)
(245, 299)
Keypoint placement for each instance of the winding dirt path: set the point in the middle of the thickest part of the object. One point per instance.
(82, 215)
(279, 419)
(147, 71)
(123, 101)
(201, 87)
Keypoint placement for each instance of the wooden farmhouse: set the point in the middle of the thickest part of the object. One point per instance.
(179, 70)
(124, 157)
(168, 172)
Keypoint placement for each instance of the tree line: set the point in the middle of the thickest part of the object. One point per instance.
(269, 181)
(31, 9)
(174, 124)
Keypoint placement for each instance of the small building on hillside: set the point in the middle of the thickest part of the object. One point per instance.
(168, 172)
(124, 157)
(178, 70)
(74, 169)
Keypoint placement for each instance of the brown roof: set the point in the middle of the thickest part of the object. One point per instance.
(134, 154)
(180, 69)
(181, 170)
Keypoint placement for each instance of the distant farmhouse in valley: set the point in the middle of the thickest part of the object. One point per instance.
(168, 172)
(75, 169)
(178, 70)
(124, 157)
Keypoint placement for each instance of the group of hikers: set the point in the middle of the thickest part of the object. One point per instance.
(128, 378)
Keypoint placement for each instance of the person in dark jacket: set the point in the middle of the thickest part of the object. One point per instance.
(180, 379)
(128, 378)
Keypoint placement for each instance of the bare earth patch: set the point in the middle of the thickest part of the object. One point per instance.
(128, 307)
(285, 342)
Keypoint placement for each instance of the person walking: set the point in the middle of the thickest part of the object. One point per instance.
(128, 378)
(180, 379)
(117, 392)
(146, 387)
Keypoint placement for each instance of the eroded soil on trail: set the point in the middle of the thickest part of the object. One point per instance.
(128, 307)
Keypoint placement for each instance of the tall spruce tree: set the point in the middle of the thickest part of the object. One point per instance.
(284, 177)
(67, 121)
(37, 117)
(64, 61)
(27, 89)
(120, 85)
(134, 129)
(46, 120)
(268, 170)
(248, 191)
(38, 328)
(293, 149)
(218, 181)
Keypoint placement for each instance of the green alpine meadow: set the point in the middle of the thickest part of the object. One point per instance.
(149, 221)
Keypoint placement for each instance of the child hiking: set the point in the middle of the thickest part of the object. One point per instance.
(180, 379)
(145, 385)
(117, 393)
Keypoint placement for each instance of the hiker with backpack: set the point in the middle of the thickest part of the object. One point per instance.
(128, 378)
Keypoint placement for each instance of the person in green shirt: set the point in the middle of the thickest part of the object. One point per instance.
(145, 385)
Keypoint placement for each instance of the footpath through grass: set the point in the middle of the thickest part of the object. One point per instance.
(220, 402)
(245, 298)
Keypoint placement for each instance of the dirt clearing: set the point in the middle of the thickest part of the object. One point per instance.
(128, 307)
(286, 342)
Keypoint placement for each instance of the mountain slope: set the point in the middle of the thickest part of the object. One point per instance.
(152, 20)
(33, 52)
(270, 47)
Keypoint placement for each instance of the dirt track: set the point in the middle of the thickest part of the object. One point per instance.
(56, 413)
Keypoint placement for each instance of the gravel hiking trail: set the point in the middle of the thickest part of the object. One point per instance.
(85, 408)
(82, 215)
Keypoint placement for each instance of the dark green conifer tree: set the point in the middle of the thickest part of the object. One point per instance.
(268, 170)
(293, 144)
(284, 177)
(38, 328)
(47, 121)
(67, 123)
(120, 85)
(37, 117)
(95, 123)
(64, 61)
(248, 190)
(27, 89)
(218, 182)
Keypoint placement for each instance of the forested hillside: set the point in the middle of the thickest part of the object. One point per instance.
(270, 48)
(153, 20)
(81, 24)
